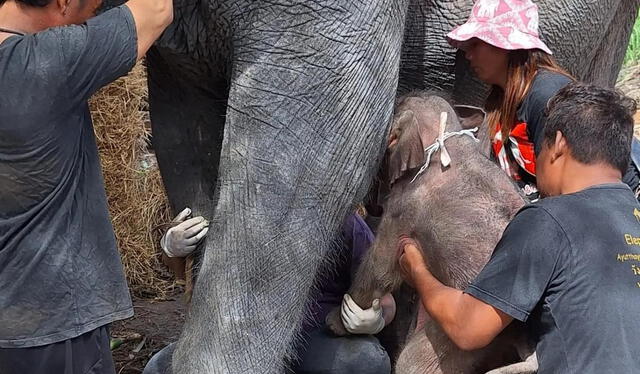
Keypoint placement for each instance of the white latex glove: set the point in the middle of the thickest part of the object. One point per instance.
(358, 321)
(182, 239)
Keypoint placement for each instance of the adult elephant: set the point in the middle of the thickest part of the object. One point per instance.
(269, 117)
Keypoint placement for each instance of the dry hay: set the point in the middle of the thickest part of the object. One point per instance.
(137, 200)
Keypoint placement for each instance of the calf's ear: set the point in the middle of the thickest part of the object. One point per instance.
(405, 150)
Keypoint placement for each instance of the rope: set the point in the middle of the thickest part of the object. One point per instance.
(444, 154)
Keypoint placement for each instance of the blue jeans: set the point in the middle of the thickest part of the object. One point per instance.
(322, 353)
(325, 353)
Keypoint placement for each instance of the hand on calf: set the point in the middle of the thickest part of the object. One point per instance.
(411, 260)
(182, 239)
(361, 321)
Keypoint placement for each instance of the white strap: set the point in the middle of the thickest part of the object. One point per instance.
(445, 159)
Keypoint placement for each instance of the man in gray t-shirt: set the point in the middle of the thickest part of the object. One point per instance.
(61, 280)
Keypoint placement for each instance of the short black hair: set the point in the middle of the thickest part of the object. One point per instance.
(596, 122)
(32, 3)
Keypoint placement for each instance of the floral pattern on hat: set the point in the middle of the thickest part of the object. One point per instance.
(506, 24)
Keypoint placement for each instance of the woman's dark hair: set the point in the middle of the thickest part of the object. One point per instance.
(596, 122)
(33, 3)
(523, 66)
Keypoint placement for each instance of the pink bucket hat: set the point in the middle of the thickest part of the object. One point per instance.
(506, 24)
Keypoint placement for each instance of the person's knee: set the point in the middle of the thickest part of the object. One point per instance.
(364, 355)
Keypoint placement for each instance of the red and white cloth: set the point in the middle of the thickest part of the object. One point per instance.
(506, 24)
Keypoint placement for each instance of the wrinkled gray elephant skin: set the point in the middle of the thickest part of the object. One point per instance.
(292, 101)
(270, 118)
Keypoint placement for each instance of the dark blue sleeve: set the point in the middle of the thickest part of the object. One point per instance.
(358, 237)
(522, 264)
(98, 52)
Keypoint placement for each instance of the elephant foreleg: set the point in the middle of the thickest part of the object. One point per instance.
(529, 366)
(419, 356)
(610, 53)
(376, 276)
(187, 120)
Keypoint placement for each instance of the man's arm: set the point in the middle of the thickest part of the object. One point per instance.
(469, 323)
(151, 18)
(532, 251)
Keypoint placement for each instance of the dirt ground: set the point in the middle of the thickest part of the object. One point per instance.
(158, 322)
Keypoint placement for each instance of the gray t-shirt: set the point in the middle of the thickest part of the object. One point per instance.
(569, 266)
(60, 271)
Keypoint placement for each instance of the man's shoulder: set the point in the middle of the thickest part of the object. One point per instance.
(538, 217)
(540, 208)
(553, 207)
(587, 204)
(32, 55)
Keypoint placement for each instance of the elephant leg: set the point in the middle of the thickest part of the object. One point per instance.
(428, 62)
(418, 356)
(187, 120)
(528, 366)
(377, 275)
(589, 38)
(394, 336)
(429, 350)
(609, 55)
(310, 100)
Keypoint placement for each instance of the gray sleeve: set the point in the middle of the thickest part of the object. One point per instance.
(522, 265)
(98, 52)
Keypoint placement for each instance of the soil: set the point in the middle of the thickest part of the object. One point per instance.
(156, 323)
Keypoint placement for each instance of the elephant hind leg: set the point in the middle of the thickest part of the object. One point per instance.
(430, 351)
(607, 59)
(418, 356)
(529, 366)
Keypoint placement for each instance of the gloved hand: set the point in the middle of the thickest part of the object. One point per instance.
(358, 321)
(182, 239)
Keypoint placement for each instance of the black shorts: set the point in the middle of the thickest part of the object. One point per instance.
(88, 353)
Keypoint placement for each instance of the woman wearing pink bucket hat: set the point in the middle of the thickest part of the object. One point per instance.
(501, 41)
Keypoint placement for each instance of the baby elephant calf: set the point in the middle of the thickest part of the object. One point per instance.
(456, 215)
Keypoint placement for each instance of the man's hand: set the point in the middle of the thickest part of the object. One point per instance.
(182, 239)
(359, 321)
(470, 323)
(411, 261)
